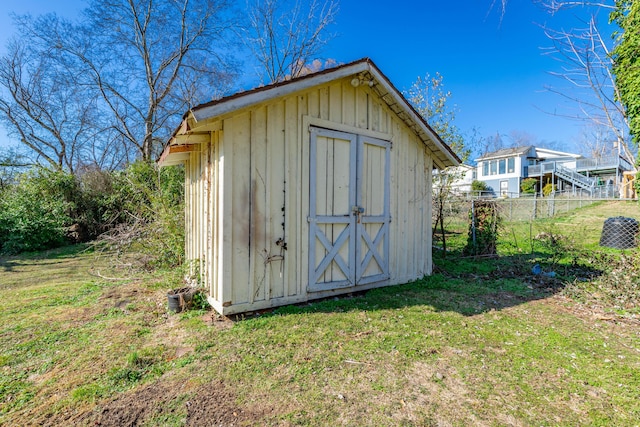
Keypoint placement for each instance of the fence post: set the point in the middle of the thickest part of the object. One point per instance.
(535, 205)
(510, 209)
(473, 223)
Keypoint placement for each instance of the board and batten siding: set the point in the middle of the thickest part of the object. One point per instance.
(247, 196)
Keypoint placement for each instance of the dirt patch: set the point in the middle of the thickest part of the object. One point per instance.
(214, 319)
(134, 408)
(431, 385)
(214, 404)
(121, 296)
(211, 404)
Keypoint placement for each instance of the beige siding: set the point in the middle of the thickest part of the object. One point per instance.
(249, 189)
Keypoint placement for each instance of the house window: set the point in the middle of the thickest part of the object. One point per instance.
(485, 168)
(511, 165)
(502, 166)
(474, 175)
(493, 167)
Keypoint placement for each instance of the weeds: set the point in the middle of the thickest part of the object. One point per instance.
(617, 290)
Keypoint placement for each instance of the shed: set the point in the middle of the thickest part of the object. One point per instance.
(308, 188)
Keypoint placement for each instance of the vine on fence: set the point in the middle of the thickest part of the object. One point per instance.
(483, 228)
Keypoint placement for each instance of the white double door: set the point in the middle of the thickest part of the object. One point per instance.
(348, 209)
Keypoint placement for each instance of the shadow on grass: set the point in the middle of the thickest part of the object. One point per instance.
(468, 286)
(8, 263)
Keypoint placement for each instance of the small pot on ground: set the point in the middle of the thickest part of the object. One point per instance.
(180, 299)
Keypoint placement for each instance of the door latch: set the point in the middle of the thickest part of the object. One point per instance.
(357, 210)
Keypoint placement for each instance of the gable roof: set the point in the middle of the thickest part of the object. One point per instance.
(507, 152)
(537, 152)
(363, 70)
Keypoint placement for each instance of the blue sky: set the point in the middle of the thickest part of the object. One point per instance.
(492, 64)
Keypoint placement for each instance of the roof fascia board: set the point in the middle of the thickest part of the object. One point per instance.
(241, 101)
(492, 156)
(253, 98)
(557, 153)
(415, 117)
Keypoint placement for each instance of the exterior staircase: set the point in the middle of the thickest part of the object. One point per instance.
(575, 178)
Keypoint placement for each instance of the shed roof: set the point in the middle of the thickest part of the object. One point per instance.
(364, 71)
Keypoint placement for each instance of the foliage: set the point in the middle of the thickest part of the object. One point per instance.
(147, 213)
(548, 189)
(45, 209)
(626, 67)
(36, 211)
(479, 186)
(626, 56)
(199, 301)
(483, 228)
(431, 101)
(528, 185)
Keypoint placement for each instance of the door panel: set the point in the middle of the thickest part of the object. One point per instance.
(372, 231)
(332, 184)
(349, 210)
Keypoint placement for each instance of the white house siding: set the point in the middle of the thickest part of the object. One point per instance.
(248, 188)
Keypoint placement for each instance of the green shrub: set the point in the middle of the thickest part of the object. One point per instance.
(147, 212)
(140, 204)
(36, 211)
(548, 189)
(479, 186)
(528, 185)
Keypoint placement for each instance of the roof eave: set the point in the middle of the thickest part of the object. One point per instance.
(255, 96)
(442, 154)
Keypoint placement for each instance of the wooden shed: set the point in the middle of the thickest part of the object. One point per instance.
(308, 188)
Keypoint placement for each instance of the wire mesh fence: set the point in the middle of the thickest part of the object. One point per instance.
(619, 232)
(526, 221)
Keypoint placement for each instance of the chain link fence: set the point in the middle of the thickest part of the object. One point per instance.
(525, 220)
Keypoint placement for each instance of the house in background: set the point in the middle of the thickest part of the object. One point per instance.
(459, 179)
(503, 170)
(308, 188)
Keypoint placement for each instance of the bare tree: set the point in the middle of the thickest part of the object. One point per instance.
(165, 51)
(133, 65)
(285, 36)
(584, 53)
(42, 105)
(520, 138)
(11, 163)
(595, 141)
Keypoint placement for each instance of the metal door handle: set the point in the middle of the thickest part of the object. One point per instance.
(357, 210)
